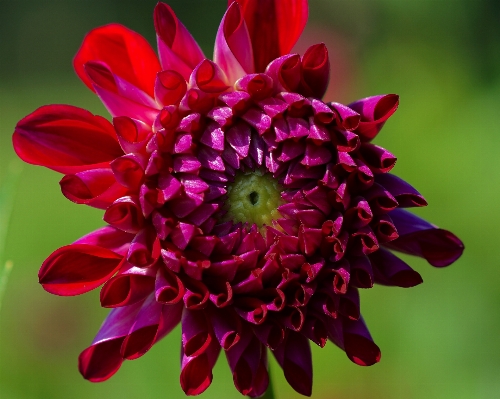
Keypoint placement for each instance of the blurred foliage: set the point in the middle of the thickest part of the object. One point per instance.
(439, 340)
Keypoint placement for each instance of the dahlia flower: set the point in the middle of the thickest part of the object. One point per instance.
(238, 203)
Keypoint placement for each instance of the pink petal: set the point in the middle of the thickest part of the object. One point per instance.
(233, 49)
(177, 48)
(209, 77)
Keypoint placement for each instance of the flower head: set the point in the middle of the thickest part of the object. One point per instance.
(238, 203)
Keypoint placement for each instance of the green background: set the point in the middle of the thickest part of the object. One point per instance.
(439, 340)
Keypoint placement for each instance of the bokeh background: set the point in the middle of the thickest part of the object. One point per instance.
(439, 340)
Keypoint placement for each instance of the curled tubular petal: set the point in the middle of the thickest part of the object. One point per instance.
(130, 285)
(315, 71)
(170, 87)
(102, 359)
(374, 113)
(96, 187)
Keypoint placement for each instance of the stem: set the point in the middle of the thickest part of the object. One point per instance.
(4, 276)
(7, 192)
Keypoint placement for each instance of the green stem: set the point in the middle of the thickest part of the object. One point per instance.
(4, 276)
(7, 193)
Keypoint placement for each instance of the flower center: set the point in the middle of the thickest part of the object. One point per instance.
(253, 198)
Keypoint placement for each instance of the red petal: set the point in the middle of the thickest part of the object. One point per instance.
(66, 139)
(126, 52)
(77, 268)
(274, 27)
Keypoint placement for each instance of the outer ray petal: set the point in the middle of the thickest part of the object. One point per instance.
(127, 54)
(78, 268)
(420, 238)
(66, 139)
(177, 48)
(102, 359)
(233, 49)
(274, 27)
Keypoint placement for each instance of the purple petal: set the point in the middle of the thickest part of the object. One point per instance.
(417, 237)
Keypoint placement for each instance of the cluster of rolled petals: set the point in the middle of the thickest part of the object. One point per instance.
(183, 128)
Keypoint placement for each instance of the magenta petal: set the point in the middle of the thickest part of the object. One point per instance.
(404, 193)
(130, 285)
(102, 77)
(349, 119)
(390, 270)
(358, 343)
(285, 72)
(96, 187)
(374, 113)
(118, 105)
(249, 374)
(227, 327)
(132, 134)
(144, 249)
(417, 237)
(108, 237)
(294, 357)
(170, 87)
(65, 139)
(153, 322)
(169, 288)
(129, 170)
(315, 71)
(78, 268)
(233, 49)
(196, 371)
(103, 359)
(125, 214)
(209, 77)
